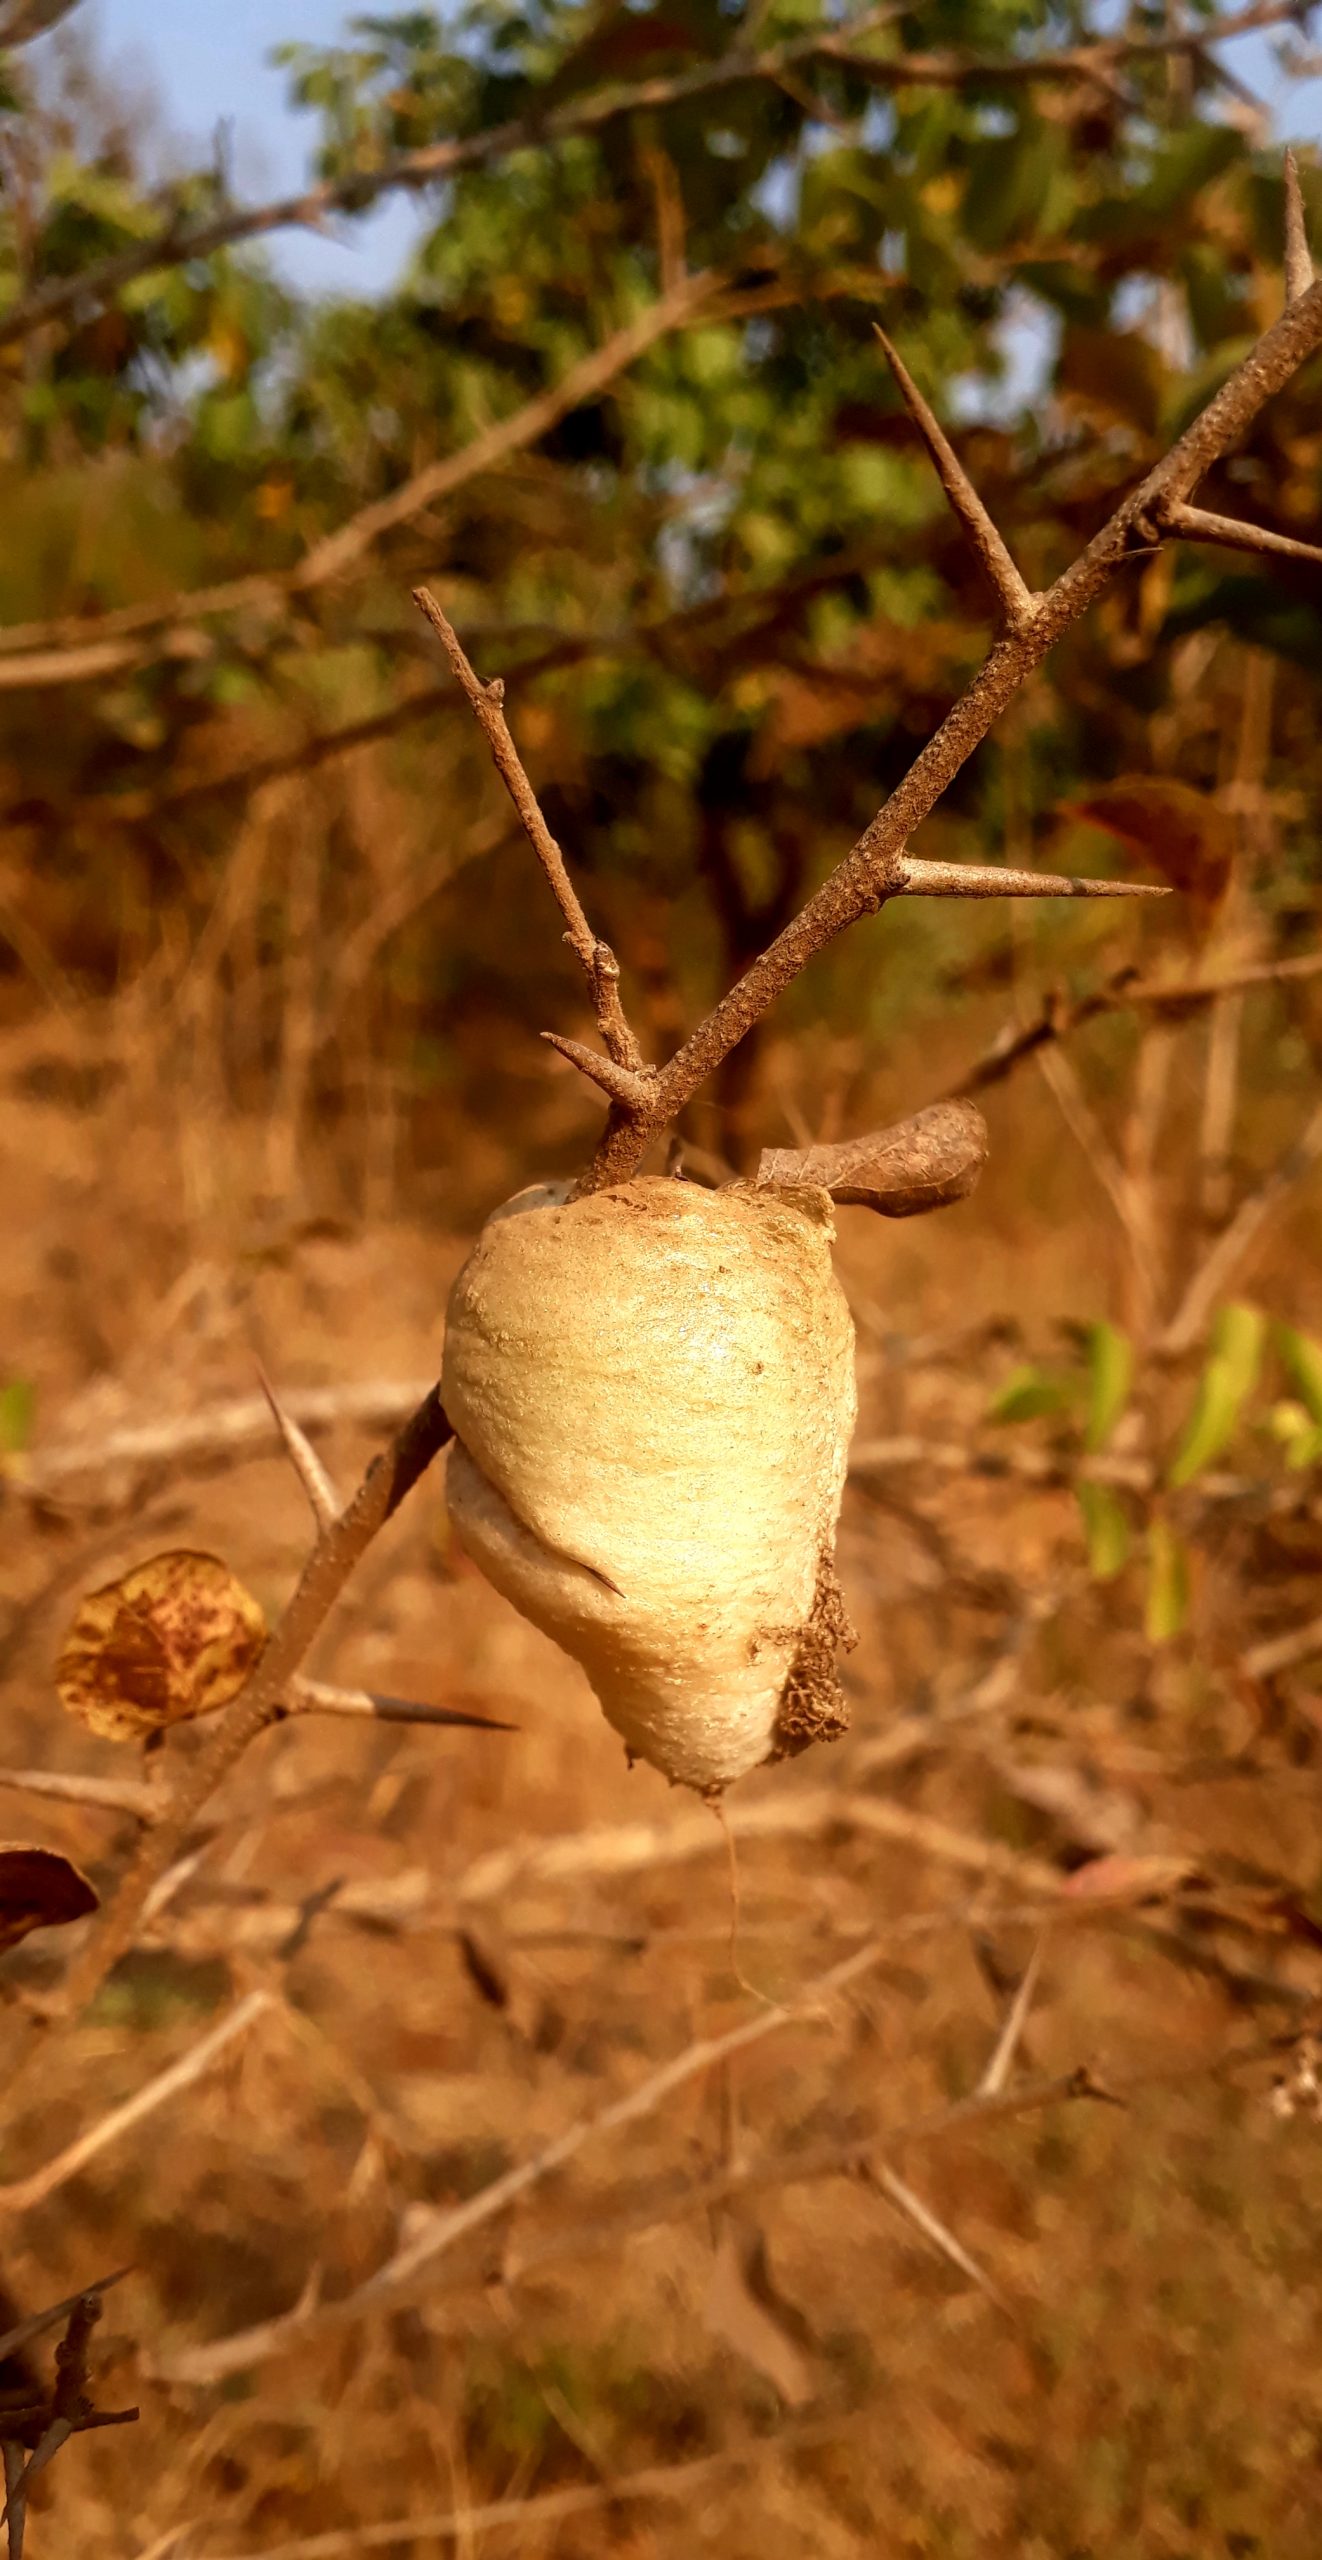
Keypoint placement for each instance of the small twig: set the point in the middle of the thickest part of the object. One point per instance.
(1280, 1653)
(22, 2193)
(1001, 2063)
(1215, 1272)
(943, 2240)
(107, 1795)
(595, 958)
(26, 2332)
(1126, 992)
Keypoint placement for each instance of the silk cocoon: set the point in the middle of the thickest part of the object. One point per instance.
(652, 1391)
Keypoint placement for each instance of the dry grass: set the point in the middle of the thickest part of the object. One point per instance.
(1133, 2364)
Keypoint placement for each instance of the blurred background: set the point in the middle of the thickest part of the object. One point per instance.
(568, 310)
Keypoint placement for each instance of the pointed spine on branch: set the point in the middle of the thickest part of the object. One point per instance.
(323, 1500)
(1298, 261)
(997, 880)
(1015, 597)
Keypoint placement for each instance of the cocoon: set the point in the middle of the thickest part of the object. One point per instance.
(652, 1392)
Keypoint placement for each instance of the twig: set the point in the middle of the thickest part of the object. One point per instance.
(231, 1430)
(179, 243)
(1215, 1272)
(108, 1795)
(1280, 1653)
(22, 2193)
(596, 959)
(1126, 992)
(442, 2231)
(548, 2507)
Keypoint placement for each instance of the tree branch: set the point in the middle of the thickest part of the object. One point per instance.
(877, 869)
(178, 243)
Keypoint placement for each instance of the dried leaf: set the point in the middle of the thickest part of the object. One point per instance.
(1121, 1877)
(39, 1889)
(920, 1164)
(1185, 834)
(172, 1639)
(734, 2314)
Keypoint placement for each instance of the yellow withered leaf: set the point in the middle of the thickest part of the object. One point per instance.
(39, 1889)
(172, 1639)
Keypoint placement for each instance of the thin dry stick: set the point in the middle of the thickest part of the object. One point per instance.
(596, 959)
(1233, 1246)
(1280, 1653)
(180, 243)
(22, 2193)
(1126, 992)
(879, 868)
(442, 2231)
(551, 2506)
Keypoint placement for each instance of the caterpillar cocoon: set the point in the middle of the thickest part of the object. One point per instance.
(652, 1393)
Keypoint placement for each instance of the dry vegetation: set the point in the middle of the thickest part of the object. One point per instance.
(483, 2173)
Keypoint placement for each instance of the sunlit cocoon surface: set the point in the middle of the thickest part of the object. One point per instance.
(652, 1391)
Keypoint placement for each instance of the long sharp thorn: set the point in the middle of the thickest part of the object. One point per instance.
(322, 1496)
(1199, 524)
(1298, 263)
(618, 1082)
(1015, 596)
(321, 1697)
(990, 880)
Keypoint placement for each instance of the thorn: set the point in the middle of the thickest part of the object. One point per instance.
(1198, 524)
(1017, 602)
(623, 1087)
(1298, 263)
(320, 1697)
(307, 1466)
(991, 880)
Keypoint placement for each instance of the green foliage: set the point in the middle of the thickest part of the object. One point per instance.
(1106, 1529)
(1168, 1585)
(18, 1406)
(1229, 1375)
(1110, 1355)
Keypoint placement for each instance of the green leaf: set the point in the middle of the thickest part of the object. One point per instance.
(1230, 1374)
(1028, 1393)
(1168, 1583)
(1106, 1528)
(1110, 1377)
(18, 1404)
(1301, 1358)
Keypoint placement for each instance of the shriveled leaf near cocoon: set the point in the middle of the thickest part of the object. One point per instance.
(39, 1889)
(652, 1391)
(172, 1639)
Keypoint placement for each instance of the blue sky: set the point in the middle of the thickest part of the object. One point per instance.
(206, 61)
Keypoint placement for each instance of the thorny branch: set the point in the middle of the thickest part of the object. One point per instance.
(178, 243)
(643, 1105)
(41, 2425)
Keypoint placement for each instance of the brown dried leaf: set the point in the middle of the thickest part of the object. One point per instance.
(172, 1639)
(39, 1889)
(921, 1164)
(1143, 1876)
(1186, 834)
